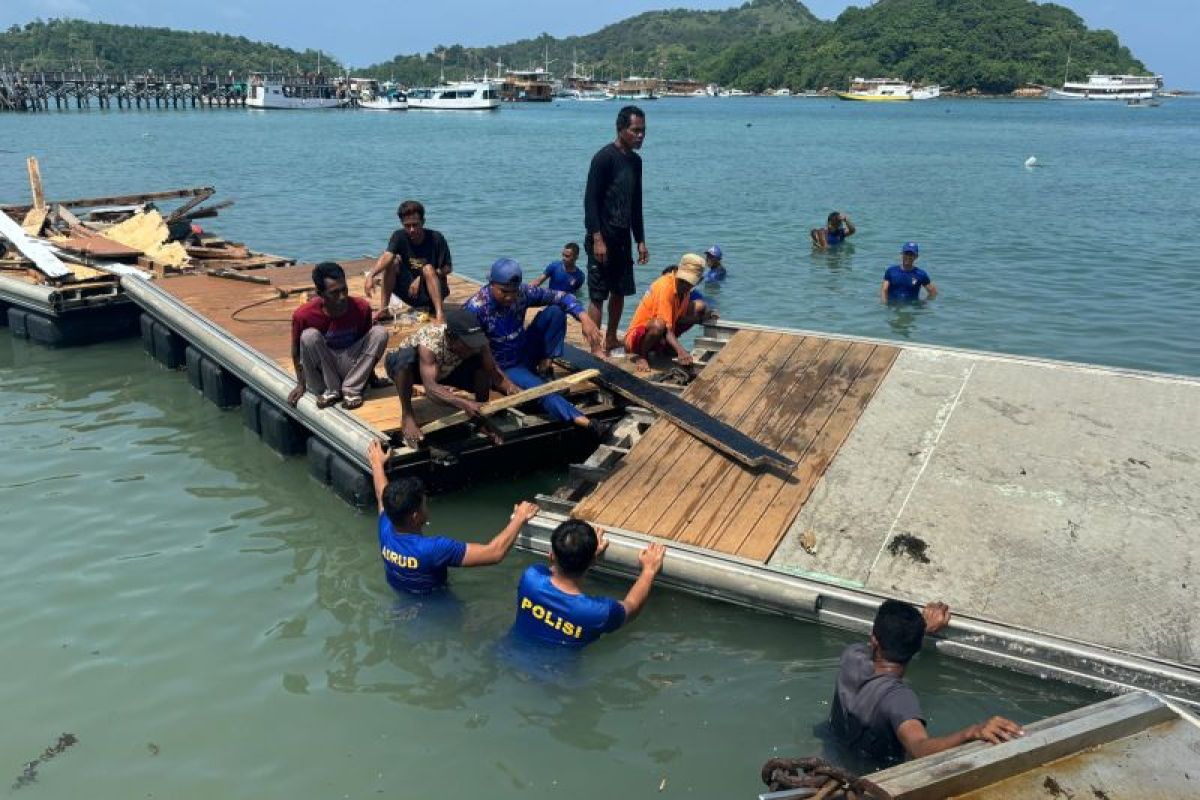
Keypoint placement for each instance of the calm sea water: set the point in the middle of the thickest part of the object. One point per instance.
(210, 622)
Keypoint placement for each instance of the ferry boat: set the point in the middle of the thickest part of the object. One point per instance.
(456, 96)
(301, 92)
(635, 88)
(1109, 87)
(528, 86)
(887, 90)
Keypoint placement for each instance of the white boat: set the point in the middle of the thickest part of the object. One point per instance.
(396, 101)
(1109, 87)
(589, 95)
(369, 93)
(272, 91)
(887, 90)
(456, 96)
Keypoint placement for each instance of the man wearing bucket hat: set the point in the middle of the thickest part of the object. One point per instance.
(657, 323)
(443, 358)
(902, 282)
(522, 352)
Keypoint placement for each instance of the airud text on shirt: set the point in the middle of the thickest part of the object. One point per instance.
(558, 623)
(403, 562)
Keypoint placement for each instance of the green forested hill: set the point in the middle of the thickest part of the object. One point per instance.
(989, 45)
(63, 44)
(669, 43)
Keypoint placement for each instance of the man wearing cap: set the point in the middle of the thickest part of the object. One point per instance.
(612, 209)
(335, 343)
(443, 358)
(666, 311)
(522, 352)
(902, 282)
(838, 228)
(714, 270)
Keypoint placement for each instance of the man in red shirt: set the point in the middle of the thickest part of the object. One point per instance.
(335, 343)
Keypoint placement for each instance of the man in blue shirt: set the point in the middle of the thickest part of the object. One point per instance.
(552, 607)
(838, 228)
(714, 270)
(414, 562)
(564, 275)
(902, 282)
(523, 352)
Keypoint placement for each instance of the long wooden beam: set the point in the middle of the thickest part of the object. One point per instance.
(35, 183)
(509, 401)
(706, 428)
(117, 200)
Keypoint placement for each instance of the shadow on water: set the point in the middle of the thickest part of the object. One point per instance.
(902, 317)
(838, 258)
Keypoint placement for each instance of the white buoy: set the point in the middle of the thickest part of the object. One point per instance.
(1031, 162)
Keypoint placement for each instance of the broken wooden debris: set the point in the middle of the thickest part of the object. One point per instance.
(116, 200)
(180, 212)
(35, 184)
(512, 400)
(708, 429)
(33, 249)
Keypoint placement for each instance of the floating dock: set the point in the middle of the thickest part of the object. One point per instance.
(1052, 505)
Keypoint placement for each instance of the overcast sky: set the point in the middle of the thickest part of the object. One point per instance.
(361, 32)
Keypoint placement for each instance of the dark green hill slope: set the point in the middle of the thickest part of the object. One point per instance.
(989, 45)
(64, 44)
(669, 43)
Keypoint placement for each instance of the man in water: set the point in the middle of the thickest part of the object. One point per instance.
(714, 270)
(875, 712)
(522, 353)
(902, 282)
(416, 563)
(838, 228)
(564, 275)
(414, 265)
(442, 358)
(552, 607)
(612, 209)
(335, 343)
(665, 312)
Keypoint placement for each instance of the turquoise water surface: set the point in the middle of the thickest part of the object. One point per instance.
(211, 622)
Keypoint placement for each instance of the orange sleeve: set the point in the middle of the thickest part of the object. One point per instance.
(658, 303)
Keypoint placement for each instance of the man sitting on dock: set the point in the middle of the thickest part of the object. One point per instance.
(838, 228)
(668, 309)
(902, 282)
(552, 607)
(875, 712)
(414, 265)
(416, 563)
(524, 353)
(442, 358)
(335, 343)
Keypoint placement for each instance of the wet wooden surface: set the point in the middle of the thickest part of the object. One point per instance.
(800, 395)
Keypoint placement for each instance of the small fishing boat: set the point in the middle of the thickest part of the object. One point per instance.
(372, 95)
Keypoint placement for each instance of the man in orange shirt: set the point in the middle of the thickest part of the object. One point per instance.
(666, 311)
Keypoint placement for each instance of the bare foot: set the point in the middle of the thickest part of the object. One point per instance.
(610, 343)
(411, 433)
(640, 364)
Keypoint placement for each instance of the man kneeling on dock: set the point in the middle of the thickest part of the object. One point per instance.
(875, 712)
(668, 309)
(414, 562)
(551, 605)
(443, 358)
(335, 343)
(524, 354)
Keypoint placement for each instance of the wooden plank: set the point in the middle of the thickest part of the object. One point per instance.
(699, 392)
(513, 400)
(699, 424)
(33, 249)
(692, 468)
(99, 246)
(117, 200)
(231, 252)
(34, 221)
(687, 519)
(188, 206)
(35, 185)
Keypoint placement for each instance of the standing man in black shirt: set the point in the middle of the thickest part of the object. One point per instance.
(415, 264)
(612, 209)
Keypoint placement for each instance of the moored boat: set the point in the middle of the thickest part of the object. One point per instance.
(299, 93)
(1109, 87)
(886, 90)
(456, 96)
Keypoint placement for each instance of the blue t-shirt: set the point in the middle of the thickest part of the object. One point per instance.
(835, 237)
(905, 286)
(505, 325)
(415, 563)
(549, 615)
(561, 280)
(714, 274)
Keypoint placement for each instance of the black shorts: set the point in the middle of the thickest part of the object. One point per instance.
(615, 275)
(422, 301)
(462, 377)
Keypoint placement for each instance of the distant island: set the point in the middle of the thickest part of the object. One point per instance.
(985, 46)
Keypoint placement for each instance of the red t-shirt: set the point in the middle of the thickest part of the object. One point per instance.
(339, 332)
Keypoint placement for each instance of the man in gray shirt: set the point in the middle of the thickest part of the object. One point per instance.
(875, 712)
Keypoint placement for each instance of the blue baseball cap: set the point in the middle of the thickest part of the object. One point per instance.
(505, 271)
(714, 251)
(910, 247)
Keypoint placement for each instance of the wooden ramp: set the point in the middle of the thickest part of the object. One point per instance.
(800, 395)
